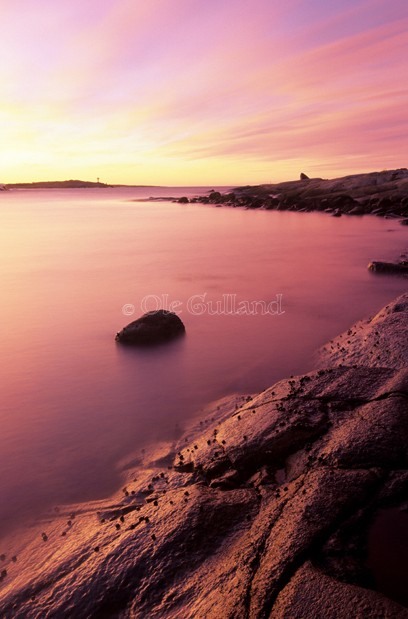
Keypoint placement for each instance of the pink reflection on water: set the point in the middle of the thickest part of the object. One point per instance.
(74, 402)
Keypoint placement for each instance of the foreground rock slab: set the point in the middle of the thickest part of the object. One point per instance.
(262, 509)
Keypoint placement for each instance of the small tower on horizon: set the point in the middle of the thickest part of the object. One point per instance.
(97, 180)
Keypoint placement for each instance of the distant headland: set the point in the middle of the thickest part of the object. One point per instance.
(71, 184)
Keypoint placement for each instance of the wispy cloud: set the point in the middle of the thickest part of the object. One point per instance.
(183, 87)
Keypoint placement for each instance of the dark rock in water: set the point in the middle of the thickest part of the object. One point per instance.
(404, 222)
(337, 213)
(271, 203)
(304, 177)
(183, 200)
(388, 267)
(152, 328)
(357, 210)
(344, 201)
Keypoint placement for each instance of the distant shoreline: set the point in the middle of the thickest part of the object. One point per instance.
(78, 184)
(71, 184)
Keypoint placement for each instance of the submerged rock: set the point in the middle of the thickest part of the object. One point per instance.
(152, 328)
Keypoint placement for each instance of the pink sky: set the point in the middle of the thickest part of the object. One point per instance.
(192, 92)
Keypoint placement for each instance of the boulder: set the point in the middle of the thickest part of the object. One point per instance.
(304, 177)
(357, 210)
(152, 328)
(388, 267)
(345, 202)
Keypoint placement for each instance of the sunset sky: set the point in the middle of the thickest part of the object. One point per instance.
(185, 92)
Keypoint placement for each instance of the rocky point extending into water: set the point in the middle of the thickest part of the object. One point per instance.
(378, 193)
(267, 507)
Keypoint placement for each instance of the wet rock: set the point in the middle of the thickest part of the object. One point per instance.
(345, 202)
(152, 328)
(267, 507)
(388, 267)
(311, 593)
(271, 203)
(357, 210)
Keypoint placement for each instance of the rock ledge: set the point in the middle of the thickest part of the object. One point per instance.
(262, 510)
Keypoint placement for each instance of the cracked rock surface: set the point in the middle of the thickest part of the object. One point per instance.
(263, 509)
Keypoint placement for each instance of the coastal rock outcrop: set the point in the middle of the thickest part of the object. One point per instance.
(152, 328)
(379, 193)
(263, 509)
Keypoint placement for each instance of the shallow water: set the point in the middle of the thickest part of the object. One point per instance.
(74, 402)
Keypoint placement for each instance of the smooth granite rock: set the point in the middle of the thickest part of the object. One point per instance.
(261, 510)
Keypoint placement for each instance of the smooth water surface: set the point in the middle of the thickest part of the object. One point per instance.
(73, 402)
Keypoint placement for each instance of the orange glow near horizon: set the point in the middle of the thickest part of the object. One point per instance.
(190, 93)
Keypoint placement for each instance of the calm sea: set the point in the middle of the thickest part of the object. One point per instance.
(74, 266)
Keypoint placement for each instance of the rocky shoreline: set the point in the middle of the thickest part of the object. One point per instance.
(378, 193)
(264, 508)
